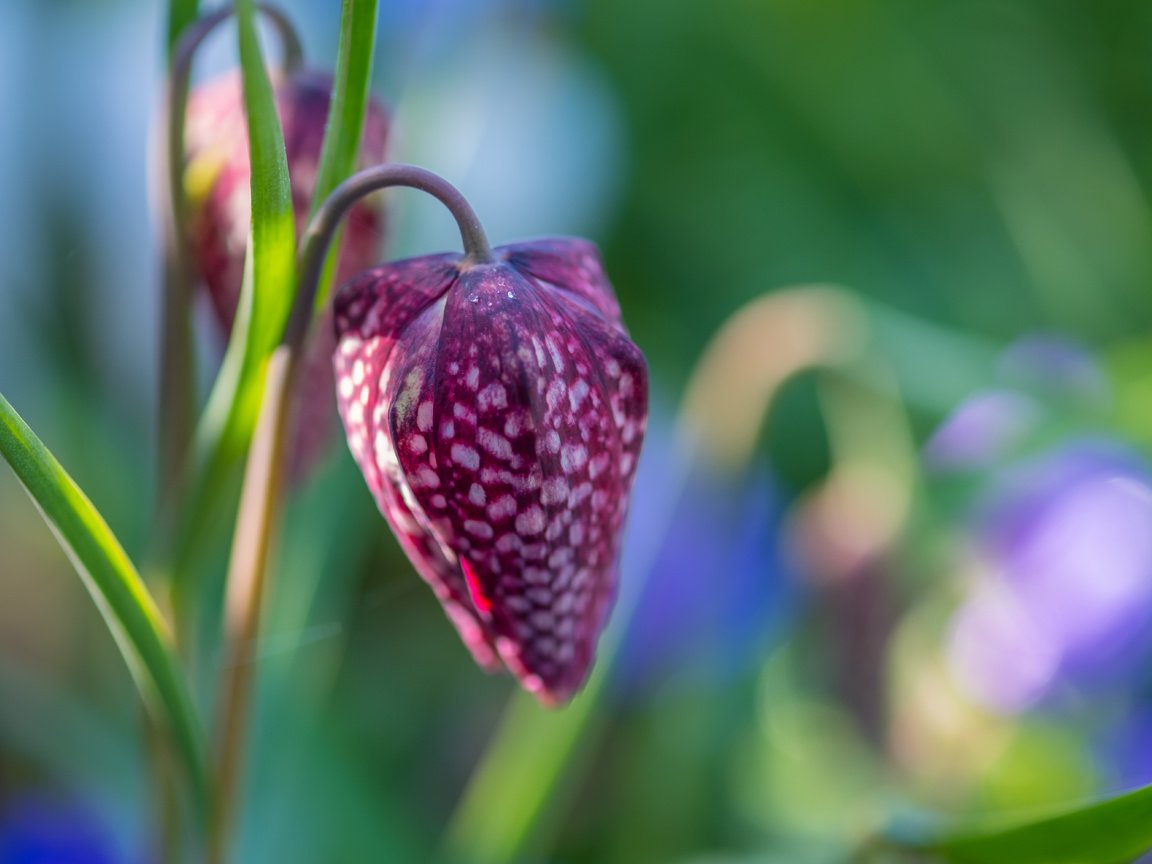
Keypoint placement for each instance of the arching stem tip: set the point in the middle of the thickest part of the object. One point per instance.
(322, 228)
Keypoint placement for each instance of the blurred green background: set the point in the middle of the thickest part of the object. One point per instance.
(889, 557)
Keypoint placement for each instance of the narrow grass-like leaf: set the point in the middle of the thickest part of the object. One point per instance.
(346, 114)
(115, 586)
(226, 427)
(270, 268)
(350, 91)
(1114, 831)
(273, 241)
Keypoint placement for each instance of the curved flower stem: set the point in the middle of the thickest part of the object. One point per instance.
(177, 384)
(318, 237)
(260, 499)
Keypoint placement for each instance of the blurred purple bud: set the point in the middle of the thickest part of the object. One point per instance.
(220, 177)
(981, 431)
(991, 425)
(1055, 365)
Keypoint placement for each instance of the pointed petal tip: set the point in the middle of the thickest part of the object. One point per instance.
(552, 685)
(551, 696)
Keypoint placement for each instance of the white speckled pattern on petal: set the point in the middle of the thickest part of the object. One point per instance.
(504, 415)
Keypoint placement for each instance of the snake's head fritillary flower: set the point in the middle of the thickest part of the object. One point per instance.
(218, 180)
(219, 176)
(497, 412)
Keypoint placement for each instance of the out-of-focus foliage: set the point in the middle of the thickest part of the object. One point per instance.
(918, 592)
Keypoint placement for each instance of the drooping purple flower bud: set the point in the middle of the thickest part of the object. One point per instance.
(497, 412)
(219, 176)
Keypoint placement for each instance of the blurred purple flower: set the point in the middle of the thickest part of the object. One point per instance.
(40, 830)
(718, 588)
(984, 428)
(1037, 375)
(1069, 594)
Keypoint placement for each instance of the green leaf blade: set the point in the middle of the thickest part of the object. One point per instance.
(227, 424)
(1114, 831)
(273, 241)
(350, 93)
(117, 589)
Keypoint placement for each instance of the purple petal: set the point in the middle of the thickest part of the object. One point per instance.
(568, 263)
(534, 469)
(382, 301)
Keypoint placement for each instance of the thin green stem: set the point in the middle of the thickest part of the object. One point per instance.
(247, 570)
(346, 116)
(181, 14)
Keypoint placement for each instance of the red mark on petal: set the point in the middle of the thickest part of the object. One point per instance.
(479, 599)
